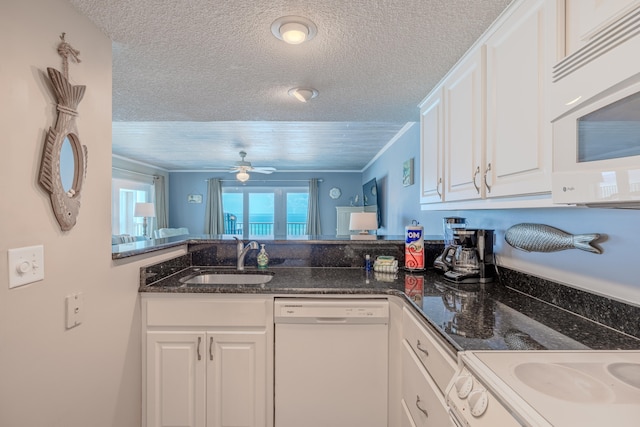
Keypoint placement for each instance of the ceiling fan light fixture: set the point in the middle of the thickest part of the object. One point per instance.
(293, 29)
(303, 94)
(242, 176)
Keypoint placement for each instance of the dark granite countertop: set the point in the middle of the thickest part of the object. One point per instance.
(469, 317)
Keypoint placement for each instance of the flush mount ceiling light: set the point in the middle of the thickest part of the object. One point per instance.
(293, 29)
(303, 94)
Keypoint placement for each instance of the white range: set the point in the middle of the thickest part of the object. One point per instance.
(546, 388)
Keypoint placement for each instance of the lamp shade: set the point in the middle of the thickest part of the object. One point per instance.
(363, 221)
(242, 176)
(146, 210)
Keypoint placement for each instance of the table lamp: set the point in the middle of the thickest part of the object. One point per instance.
(363, 221)
(144, 210)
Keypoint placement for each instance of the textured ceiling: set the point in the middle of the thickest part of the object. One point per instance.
(195, 81)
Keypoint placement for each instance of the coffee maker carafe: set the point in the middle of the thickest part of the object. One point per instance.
(470, 258)
(449, 225)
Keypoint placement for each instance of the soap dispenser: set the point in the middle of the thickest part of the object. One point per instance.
(263, 257)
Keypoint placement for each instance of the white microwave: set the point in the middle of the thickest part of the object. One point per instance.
(596, 132)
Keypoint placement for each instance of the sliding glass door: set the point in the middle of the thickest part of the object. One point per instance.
(265, 211)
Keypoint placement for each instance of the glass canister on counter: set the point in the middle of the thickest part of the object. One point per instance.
(449, 225)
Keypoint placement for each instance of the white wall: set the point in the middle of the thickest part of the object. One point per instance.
(50, 376)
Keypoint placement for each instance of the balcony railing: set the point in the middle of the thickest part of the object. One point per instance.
(266, 229)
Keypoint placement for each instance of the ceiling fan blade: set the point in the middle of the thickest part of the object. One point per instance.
(265, 169)
(262, 171)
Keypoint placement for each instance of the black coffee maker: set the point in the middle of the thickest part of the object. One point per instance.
(470, 258)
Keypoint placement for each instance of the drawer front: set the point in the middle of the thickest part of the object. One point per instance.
(406, 421)
(438, 363)
(237, 312)
(420, 394)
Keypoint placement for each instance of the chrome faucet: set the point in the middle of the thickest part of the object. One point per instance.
(242, 251)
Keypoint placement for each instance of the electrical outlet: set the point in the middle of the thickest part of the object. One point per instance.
(75, 310)
(26, 265)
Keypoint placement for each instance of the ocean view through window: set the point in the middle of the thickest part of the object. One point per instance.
(262, 211)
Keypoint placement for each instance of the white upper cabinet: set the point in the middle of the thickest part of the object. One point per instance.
(585, 19)
(486, 129)
(451, 146)
(463, 151)
(520, 54)
(431, 148)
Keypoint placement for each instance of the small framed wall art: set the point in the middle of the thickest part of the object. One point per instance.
(407, 172)
(194, 198)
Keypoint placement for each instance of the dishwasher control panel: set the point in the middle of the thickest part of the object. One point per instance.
(291, 310)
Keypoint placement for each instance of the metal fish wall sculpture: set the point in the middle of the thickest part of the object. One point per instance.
(544, 238)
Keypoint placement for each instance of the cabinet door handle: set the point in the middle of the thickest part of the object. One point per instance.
(419, 347)
(198, 349)
(438, 188)
(475, 174)
(424, 411)
(211, 348)
(486, 184)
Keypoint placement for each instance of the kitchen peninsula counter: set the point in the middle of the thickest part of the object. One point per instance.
(126, 250)
(496, 316)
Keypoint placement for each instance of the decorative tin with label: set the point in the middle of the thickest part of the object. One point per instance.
(414, 247)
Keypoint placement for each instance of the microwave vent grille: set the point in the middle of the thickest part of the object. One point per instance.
(621, 30)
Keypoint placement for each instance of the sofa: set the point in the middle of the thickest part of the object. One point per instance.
(118, 239)
(168, 232)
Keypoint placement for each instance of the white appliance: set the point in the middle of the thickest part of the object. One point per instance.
(331, 362)
(546, 389)
(596, 125)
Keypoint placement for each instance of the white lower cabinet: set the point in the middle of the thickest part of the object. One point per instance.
(420, 394)
(406, 420)
(176, 382)
(216, 373)
(427, 369)
(208, 361)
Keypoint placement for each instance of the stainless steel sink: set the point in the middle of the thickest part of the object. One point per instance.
(228, 278)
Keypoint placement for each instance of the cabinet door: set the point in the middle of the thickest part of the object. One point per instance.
(236, 379)
(520, 55)
(431, 146)
(463, 129)
(175, 377)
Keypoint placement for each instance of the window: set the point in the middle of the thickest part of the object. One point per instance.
(125, 193)
(262, 211)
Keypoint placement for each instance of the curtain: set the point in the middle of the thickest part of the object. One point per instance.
(162, 219)
(313, 214)
(214, 218)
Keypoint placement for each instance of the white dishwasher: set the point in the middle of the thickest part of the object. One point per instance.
(331, 362)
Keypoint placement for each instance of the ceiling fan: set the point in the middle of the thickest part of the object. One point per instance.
(242, 168)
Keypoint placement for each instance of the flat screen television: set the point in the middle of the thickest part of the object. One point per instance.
(370, 198)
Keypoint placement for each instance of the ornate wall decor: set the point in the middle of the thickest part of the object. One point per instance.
(62, 145)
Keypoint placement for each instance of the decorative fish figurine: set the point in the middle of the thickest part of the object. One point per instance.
(544, 238)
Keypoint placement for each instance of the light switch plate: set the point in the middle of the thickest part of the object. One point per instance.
(75, 310)
(26, 265)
